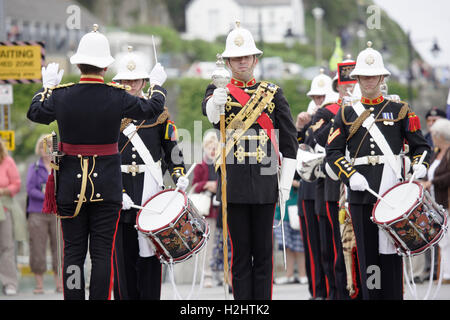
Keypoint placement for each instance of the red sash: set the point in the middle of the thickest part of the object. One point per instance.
(263, 120)
(89, 149)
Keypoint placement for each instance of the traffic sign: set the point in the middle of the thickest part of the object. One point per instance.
(6, 94)
(8, 139)
(21, 61)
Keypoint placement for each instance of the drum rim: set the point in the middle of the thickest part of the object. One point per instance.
(416, 202)
(171, 221)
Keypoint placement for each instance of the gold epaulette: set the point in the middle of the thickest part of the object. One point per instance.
(64, 85)
(48, 90)
(119, 86)
(404, 110)
(161, 119)
(125, 122)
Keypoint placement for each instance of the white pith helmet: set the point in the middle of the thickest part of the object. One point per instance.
(369, 63)
(240, 43)
(131, 67)
(320, 85)
(93, 49)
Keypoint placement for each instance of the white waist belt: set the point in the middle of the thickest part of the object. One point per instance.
(133, 168)
(373, 160)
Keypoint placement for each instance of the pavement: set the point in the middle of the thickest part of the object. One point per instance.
(280, 292)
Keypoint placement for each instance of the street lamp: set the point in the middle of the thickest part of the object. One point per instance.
(318, 15)
(435, 49)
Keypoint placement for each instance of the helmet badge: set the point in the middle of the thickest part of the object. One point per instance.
(131, 65)
(370, 59)
(239, 40)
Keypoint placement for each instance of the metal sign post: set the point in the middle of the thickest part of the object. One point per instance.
(6, 99)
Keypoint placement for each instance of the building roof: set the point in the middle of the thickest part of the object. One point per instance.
(48, 11)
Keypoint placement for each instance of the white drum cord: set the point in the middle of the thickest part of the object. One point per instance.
(177, 295)
(413, 288)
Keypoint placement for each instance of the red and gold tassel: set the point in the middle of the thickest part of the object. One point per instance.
(413, 122)
(49, 198)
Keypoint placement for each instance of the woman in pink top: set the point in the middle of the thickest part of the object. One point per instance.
(9, 187)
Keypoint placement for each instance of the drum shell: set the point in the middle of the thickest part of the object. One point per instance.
(181, 237)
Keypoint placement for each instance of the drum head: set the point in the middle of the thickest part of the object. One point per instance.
(403, 196)
(157, 218)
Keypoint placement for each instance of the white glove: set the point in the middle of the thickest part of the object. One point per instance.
(126, 202)
(158, 75)
(50, 75)
(420, 170)
(218, 99)
(287, 173)
(182, 183)
(358, 182)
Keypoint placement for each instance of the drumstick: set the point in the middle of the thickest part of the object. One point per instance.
(380, 197)
(177, 188)
(144, 208)
(419, 163)
(154, 50)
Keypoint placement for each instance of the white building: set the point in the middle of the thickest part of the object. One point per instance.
(206, 19)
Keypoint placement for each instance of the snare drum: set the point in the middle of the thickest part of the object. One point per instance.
(416, 223)
(173, 225)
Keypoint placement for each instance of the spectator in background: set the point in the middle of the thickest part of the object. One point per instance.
(438, 183)
(9, 187)
(295, 252)
(432, 115)
(41, 226)
(448, 104)
(205, 180)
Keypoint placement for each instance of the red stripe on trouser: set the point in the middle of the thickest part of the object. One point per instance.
(313, 269)
(112, 255)
(356, 245)
(118, 281)
(334, 239)
(271, 282)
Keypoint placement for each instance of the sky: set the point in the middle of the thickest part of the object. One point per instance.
(426, 20)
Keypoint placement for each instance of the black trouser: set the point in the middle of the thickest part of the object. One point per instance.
(327, 254)
(305, 239)
(96, 223)
(250, 227)
(340, 273)
(317, 280)
(135, 277)
(390, 286)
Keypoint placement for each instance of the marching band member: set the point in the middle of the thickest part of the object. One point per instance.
(143, 145)
(328, 209)
(320, 88)
(88, 177)
(252, 163)
(373, 131)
